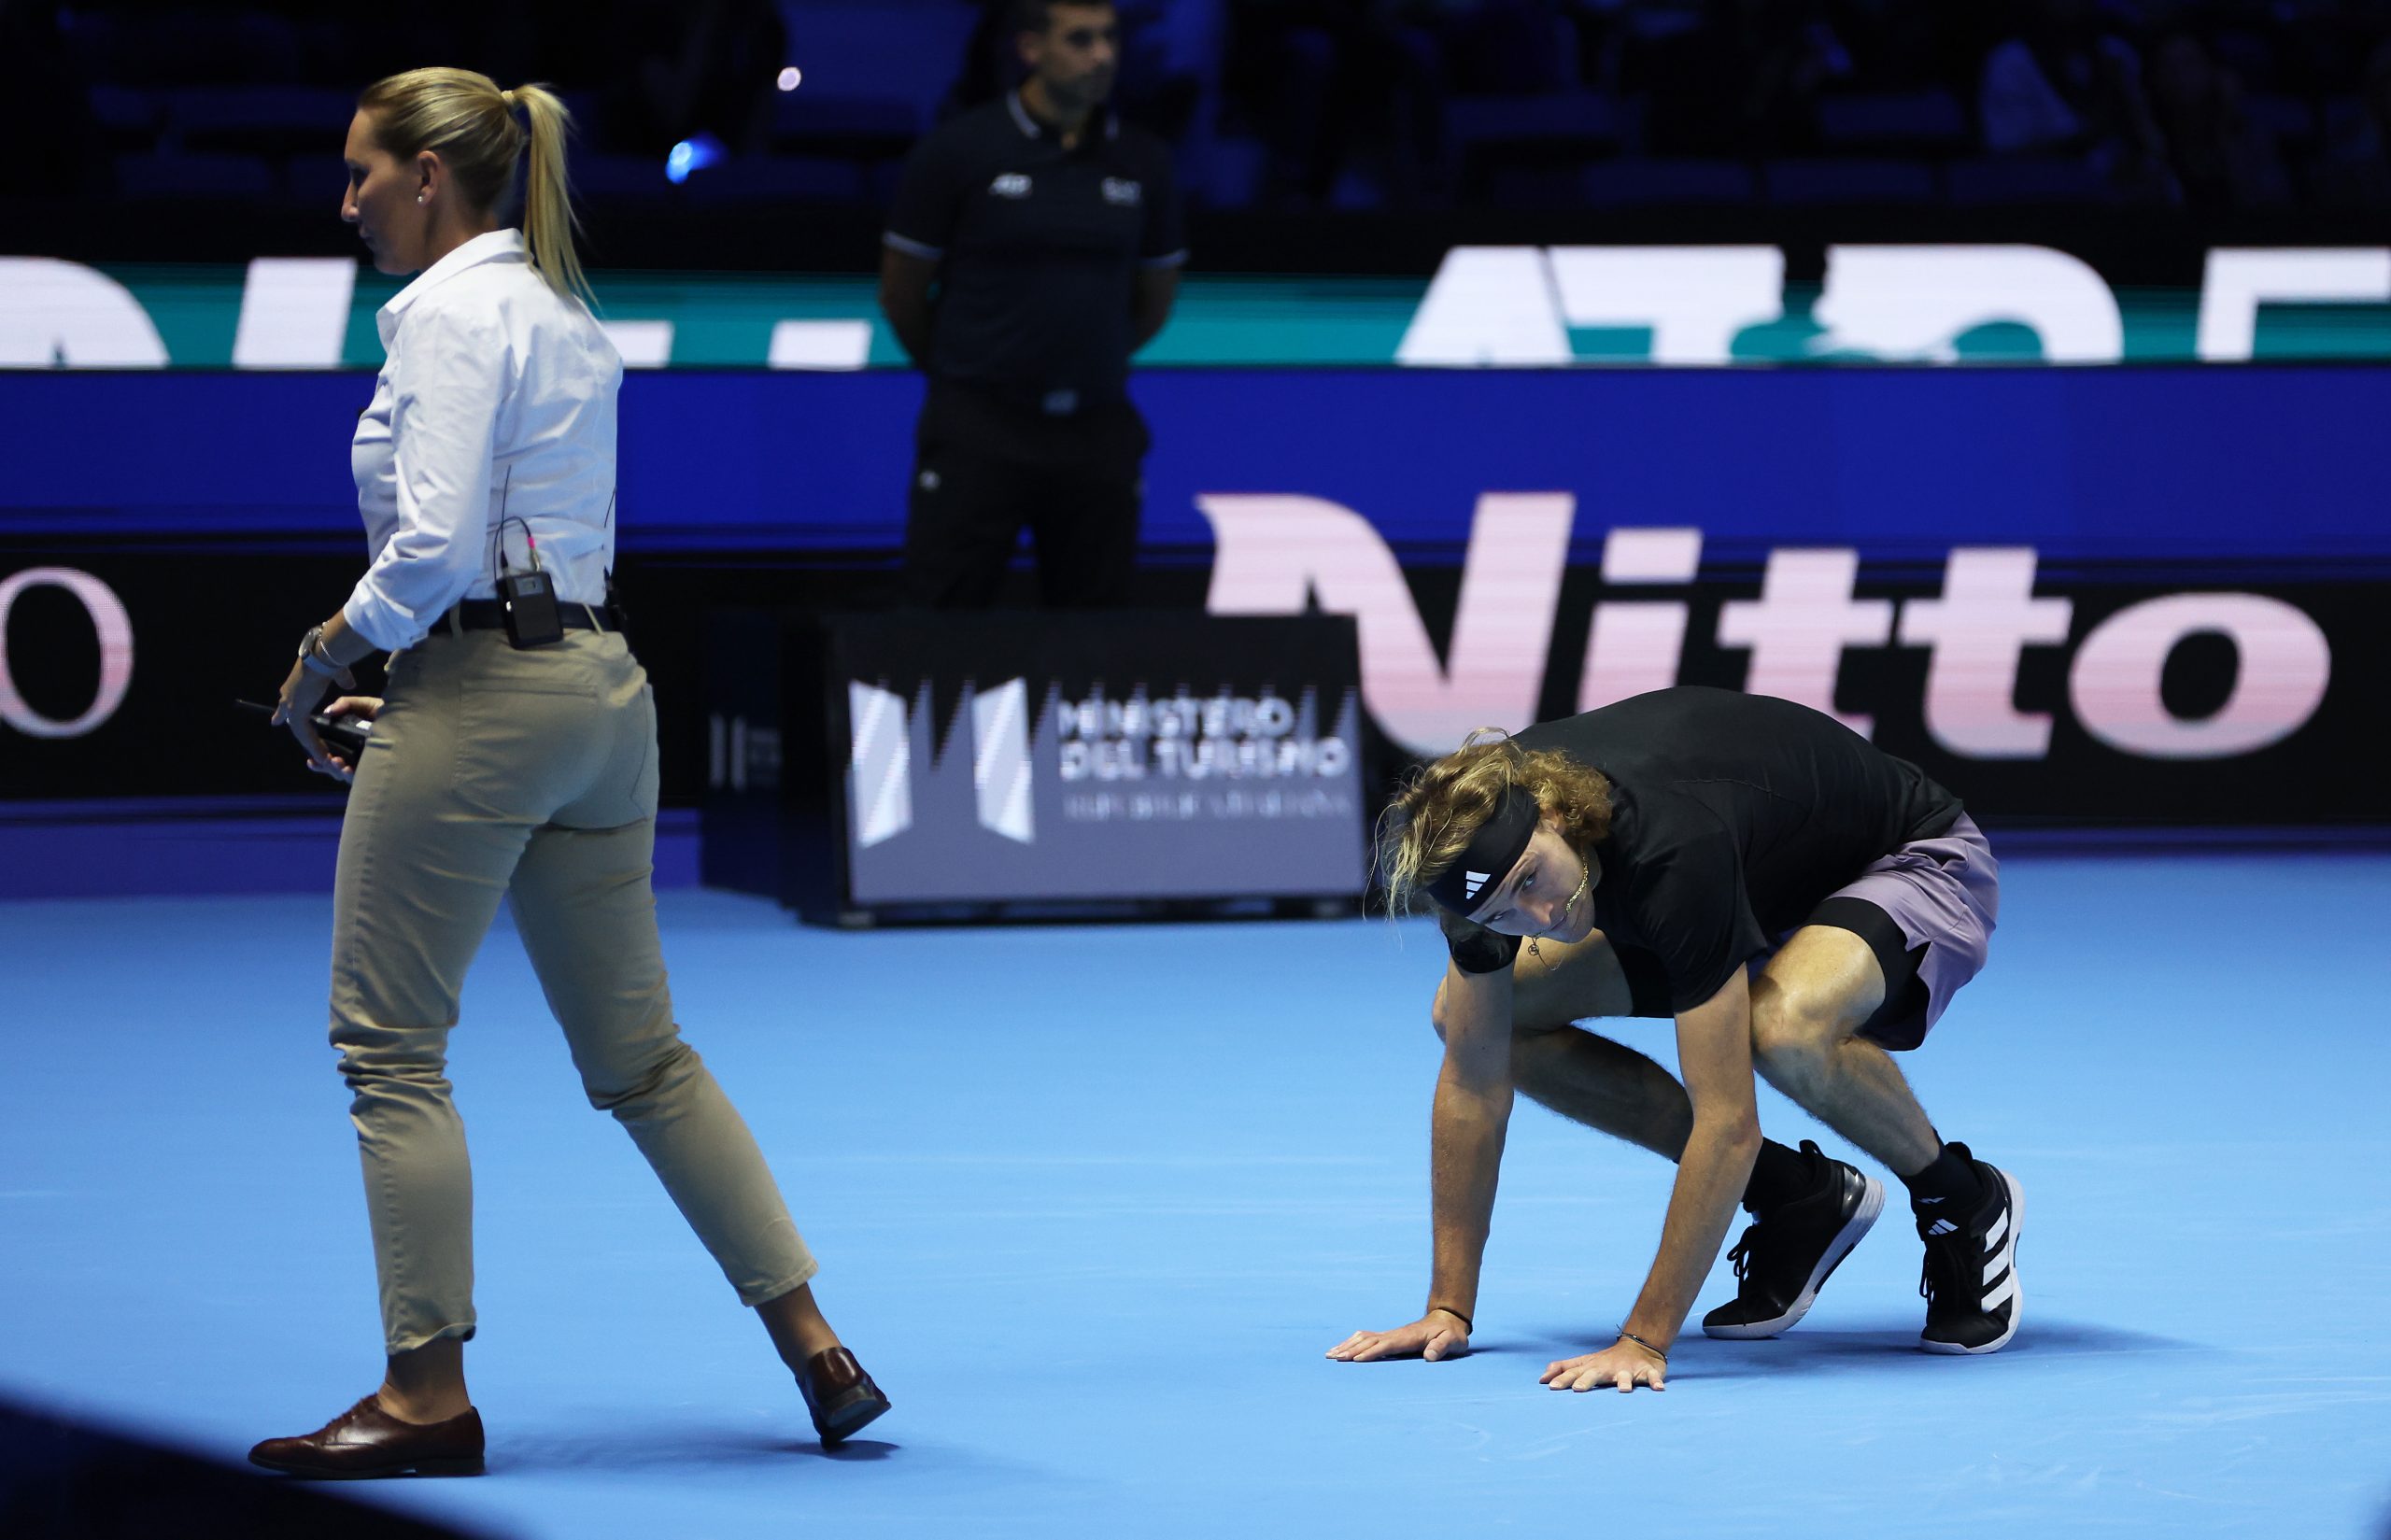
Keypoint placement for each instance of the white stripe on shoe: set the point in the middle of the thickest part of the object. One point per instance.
(2009, 1292)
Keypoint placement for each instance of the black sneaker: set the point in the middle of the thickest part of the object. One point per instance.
(1970, 1280)
(1787, 1255)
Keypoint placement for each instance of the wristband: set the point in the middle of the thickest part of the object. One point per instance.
(1464, 1321)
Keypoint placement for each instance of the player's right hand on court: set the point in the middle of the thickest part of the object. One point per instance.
(1439, 1333)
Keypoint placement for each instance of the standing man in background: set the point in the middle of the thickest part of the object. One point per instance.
(1051, 234)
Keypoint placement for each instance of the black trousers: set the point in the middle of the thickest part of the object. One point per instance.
(987, 466)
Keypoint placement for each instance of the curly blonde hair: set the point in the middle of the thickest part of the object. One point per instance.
(1443, 804)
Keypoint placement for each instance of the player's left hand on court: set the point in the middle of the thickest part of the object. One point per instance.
(1624, 1365)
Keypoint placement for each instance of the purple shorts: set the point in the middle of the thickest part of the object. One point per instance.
(1944, 893)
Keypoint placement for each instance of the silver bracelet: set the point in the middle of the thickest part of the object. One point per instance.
(313, 658)
(1626, 1336)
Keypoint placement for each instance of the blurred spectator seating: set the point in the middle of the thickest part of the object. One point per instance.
(320, 177)
(2024, 180)
(134, 45)
(2219, 106)
(1496, 141)
(273, 120)
(1848, 180)
(1615, 184)
(1908, 122)
(598, 174)
(780, 179)
(870, 77)
(201, 175)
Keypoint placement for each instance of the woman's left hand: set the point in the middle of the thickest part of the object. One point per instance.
(301, 693)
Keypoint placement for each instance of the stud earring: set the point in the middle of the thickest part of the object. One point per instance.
(419, 197)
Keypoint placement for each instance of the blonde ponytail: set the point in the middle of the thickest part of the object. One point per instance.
(465, 117)
(548, 219)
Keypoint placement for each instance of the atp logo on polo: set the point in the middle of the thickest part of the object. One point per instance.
(1473, 881)
(1012, 184)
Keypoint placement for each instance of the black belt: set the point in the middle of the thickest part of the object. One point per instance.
(489, 615)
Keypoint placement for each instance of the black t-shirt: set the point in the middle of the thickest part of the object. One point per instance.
(1733, 815)
(1038, 248)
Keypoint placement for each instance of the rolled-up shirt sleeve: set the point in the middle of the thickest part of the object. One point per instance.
(448, 371)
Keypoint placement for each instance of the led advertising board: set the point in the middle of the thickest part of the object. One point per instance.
(1014, 758)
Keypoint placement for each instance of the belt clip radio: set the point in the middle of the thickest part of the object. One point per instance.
(527, 601)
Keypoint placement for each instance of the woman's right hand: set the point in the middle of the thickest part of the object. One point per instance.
(363, 707)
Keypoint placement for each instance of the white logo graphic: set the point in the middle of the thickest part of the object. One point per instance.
(1012, 184)
(1472, 882)
(1284, 553)
(879, 762)
(53, 312)
(1513, 306)
(1000, 759)
(1119, 189)
(110, 625)
(1941, 1227)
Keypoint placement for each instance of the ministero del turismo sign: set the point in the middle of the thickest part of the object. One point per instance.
(1485, 306)
(1132, 756)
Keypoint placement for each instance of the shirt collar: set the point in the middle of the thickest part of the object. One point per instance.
(1032, 129)
(496, 245)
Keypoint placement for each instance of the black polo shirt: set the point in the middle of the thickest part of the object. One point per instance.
(1038, 248)
(1733, 816)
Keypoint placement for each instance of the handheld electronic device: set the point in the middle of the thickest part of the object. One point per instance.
(343, 735)
(529, 598)
(530, 601)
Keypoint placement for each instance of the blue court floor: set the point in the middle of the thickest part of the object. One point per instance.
(1092, 1202)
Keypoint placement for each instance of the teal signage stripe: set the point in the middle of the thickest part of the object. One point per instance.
(722, 321)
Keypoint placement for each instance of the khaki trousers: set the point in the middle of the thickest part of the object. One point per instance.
(529, 776)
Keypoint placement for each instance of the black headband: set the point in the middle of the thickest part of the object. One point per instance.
(1494, 849)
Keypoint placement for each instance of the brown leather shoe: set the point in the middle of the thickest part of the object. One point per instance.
(366, 1441)
(840, 1394)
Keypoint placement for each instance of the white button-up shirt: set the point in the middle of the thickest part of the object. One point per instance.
(497, 404)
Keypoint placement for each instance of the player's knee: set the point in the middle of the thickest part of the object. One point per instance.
(1787, 1029)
